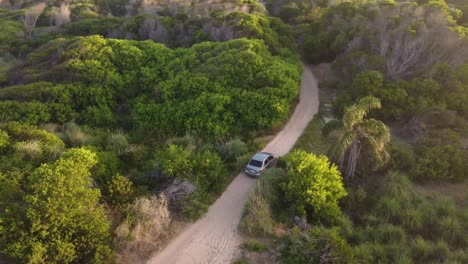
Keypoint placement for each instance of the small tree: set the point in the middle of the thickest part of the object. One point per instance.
(62, 220)
(313, 185)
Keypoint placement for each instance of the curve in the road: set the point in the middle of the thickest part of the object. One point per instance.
(214, 238)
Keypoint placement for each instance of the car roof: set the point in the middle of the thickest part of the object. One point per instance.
(261, 156)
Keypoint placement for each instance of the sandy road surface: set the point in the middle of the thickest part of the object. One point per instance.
(214, 238)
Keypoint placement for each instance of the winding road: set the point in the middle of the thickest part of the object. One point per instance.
(214, 238)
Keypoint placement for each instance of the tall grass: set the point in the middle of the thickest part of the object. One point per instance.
(31, 149)
(231, 150)
(410, 226)
(117, 142)
(73, 135)
(145, 231)
(312, 139)
(258, 212)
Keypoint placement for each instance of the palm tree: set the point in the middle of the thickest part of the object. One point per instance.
(356, 133)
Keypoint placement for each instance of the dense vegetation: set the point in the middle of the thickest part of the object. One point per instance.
(106, 142)
(397, 133)
(119, 118)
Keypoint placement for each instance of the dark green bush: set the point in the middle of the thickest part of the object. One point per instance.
(119, 192)
(203, 168)
(401, 158)
(440, 157)
(4, 139)
(196, 205)
(317, 245)
(231, 150)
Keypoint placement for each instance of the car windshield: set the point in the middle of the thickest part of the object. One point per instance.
(255, 163)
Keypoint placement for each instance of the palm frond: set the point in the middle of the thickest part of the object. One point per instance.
(377, 136)
(369, 103)
(355, 114)
(375, 129)
(340, 147)
(352, 116)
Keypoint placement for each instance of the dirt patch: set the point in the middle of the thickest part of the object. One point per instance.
(215, 237)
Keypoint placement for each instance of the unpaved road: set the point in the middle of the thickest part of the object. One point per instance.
(214, 238)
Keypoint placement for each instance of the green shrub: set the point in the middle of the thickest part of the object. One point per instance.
(369, 252)
(26, 112)
(451, 230)
(4, 139)
(413, 220)
(439, 156)
(117, 142)
(107, 166)
(401, 158)
(203, 168)
(390, 234)
(313, 185)
(255, 246)
(63, 221)
(196, 205)
(208, 171)
(317, 245)
(421, 250)
(119, 191)
(231, 150)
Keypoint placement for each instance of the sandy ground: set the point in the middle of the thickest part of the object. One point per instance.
(215, 238)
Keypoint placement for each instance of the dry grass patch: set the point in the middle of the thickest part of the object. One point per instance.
(148, 227)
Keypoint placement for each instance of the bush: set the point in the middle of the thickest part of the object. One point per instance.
(317, 245)
(401, 158)
(231, 150)
(439, 156)
(107, 166)
(313, 185)
(73, 135)
(4, 139)
(195, 205)
(255, 246)
(61, 220)
(117, 142)
(118, 192)
(204, 168)
(51, 144)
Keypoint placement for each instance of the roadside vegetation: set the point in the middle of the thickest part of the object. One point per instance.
(397, 133)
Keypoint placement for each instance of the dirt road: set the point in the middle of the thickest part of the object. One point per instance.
(214, 238)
